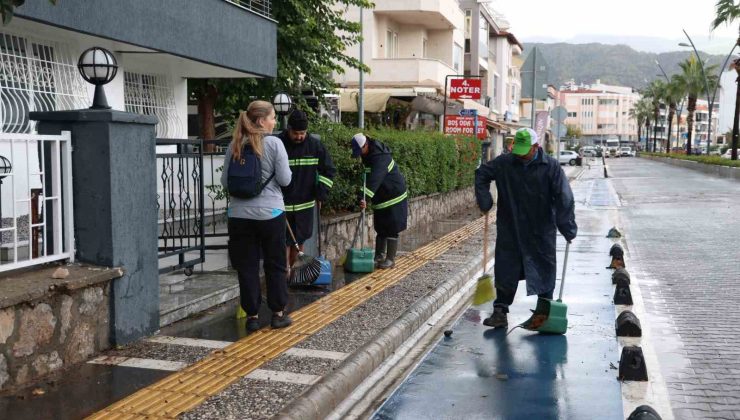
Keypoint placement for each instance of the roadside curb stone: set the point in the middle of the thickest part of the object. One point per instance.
(321, 398)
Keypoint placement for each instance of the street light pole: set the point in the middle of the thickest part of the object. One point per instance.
(706, 83)
(667, 123)
(361, 105)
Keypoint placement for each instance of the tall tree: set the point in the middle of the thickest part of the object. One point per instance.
(727, 13)
(691, 80)
(312, 38)
(640, 112)
(673, 94)
(7, 8)
(655, 92)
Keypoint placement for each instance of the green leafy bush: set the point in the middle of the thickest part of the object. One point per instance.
(709, 160)
(431, 162)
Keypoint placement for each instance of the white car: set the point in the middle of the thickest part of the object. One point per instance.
(626, 152)
(589, 152)
(569, 157)
(728, 154)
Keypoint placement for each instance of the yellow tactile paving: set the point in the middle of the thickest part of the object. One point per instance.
(184, 390)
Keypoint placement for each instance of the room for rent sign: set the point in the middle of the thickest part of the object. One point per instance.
(465, 126)
(465, 88)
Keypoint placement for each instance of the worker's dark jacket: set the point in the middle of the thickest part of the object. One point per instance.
(313, 173)
(385, 188)
(533, 201)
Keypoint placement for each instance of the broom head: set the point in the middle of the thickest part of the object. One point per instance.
(305, 270)
(484, 291)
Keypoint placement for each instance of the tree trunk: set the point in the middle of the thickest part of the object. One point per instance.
(656, 114)
(736, 120)
(690, 125)
(639, 132)
(671, 113)
(647, 135)
(206, 114)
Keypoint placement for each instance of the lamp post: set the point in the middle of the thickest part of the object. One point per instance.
(98, 66)
(5, 168)
(706, 82)
(283, 104)
(667, 123)
(361, 103)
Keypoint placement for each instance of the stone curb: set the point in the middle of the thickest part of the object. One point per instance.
(318, 401)
(727, 172)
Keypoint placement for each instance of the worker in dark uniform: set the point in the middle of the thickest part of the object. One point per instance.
(386, 188)
(313, 174)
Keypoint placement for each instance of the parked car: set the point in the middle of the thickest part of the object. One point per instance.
(589, 152)
(626, 152)
(568, 156)
(727, 154)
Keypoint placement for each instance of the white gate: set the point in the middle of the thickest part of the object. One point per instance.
(35, 199)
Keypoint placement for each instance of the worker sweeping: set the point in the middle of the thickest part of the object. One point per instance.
(386, 188)
(534, 202)
(313, 177)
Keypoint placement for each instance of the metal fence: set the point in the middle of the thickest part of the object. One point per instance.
(261, 7)
(35, 199)
(180, 204)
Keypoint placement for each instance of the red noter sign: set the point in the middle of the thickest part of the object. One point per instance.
(465, 88)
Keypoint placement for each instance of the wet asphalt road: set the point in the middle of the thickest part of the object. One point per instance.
(683, 233)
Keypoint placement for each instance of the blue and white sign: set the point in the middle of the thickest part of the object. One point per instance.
(468, 112)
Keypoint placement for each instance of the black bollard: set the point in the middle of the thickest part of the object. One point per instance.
(621, 277)
(632, 364)
(644, 412)
(616, 251)
(622, 295)
(628, 325)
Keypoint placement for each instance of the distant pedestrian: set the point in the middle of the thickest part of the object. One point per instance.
(508, 144)
(386, 188)
(313, 177)
(534, 202)
(257, 213)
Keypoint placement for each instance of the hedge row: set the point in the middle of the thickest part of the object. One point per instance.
(709, 160)
(430, 161)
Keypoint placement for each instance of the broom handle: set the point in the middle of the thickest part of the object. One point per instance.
(485, 244)
(318, 225)
(295, 243)
(565, 265)
(362, 238)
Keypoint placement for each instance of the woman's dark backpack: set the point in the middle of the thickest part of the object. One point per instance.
(245, 175)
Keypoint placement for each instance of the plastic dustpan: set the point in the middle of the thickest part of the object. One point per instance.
(550, 316)
(360, 260)
(325, 275)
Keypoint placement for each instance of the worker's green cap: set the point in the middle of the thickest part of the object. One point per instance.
(523, 141)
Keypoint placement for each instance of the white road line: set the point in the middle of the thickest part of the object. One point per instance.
(280, 376)
(136, 362)
(192, 342)
(316, 354)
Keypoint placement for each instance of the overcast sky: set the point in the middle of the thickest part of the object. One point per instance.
(564, 20)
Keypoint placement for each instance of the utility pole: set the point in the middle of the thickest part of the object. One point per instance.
(361, 105)
(534, 86)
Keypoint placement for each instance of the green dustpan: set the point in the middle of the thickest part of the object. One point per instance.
(550, 316)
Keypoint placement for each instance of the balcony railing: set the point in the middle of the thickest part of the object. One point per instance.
(260, 7)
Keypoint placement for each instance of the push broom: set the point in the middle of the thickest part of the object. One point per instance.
(484, 291)
(306, 269)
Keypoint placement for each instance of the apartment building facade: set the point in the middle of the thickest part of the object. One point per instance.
(600, 111)
(410, 47)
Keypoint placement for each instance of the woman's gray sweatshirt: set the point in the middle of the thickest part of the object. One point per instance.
(270, 202)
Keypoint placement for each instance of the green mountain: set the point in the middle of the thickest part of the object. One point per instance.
(612, 64)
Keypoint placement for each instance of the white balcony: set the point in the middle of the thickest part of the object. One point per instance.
(432, 14)
(401, 72)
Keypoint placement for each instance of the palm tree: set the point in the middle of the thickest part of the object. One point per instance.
(727, 13)
(672, 95)
(641, 112)
(655, 92)
(691, 80)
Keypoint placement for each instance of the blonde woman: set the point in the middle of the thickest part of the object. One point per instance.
(257, 224)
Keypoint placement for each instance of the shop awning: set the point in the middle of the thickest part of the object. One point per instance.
(376, 99)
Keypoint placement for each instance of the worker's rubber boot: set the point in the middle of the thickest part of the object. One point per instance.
(497, 319)
(380, 244)
(390, 258)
